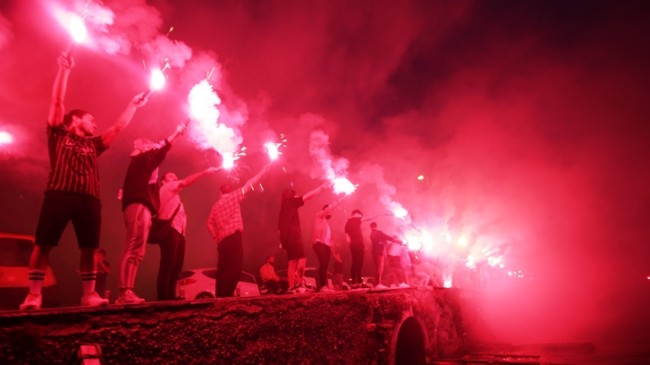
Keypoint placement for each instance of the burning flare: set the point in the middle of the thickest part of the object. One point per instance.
(272, 150)
(157, 80)
(343, 185)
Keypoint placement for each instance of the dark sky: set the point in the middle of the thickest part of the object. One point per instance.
(528, 120)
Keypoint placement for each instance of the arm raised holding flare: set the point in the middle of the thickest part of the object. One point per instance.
(72, 193)
(124, 119)
(226, 225)
(310, 194)
(57, 108)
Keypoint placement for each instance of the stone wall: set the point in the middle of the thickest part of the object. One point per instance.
(358, 327)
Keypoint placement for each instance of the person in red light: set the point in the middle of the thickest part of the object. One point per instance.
(291, 235)
(323, 244)
(357, 248)
(172, 247)
(72, 192)
(379, 242)
(140, 201)
(270, 278)
(226, 226)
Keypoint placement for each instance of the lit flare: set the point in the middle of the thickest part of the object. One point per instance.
(343, 185)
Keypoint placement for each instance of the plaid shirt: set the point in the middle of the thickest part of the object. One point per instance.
(225, 216)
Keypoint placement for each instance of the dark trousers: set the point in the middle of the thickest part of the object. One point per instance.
(229, 264)
(357, 252)
(323, 253)
(172, 255)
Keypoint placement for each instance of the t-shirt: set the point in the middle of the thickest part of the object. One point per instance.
(289, 220)
(322, 230)
(141, 180)
(169, 201)
(73, 161)
(353, 229)
(379, 240)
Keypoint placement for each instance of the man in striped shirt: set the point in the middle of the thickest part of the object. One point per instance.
(226, 226)
(72, 192)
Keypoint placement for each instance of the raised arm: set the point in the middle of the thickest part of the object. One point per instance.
(179, 131)
(57, 109)
(123, 121)
(196, 176)
(331, 206)
(248, 186)
(365, 219)
(317, 190)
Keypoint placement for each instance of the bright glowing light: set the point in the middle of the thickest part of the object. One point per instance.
(207, 132)
(343, 185)
(228, 161)
(157, 80)
(272, 150)
(421, 177)
(203, 102)
(77, 29)
(463, 240)
(398, 210)
(446, 280)
(6, 138)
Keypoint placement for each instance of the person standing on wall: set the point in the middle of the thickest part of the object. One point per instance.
(72, 192)
(225, 224)
(140, 201)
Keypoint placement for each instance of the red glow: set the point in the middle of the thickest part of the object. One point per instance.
(272, 150)
(6, 138)
(343, 185)
(157, 81)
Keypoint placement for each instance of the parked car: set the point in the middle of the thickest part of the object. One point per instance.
(15, 250)
(199, 284)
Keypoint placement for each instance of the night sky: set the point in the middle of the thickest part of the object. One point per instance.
(528, 120)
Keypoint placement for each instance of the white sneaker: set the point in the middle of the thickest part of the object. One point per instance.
(129, 297)
(403, 285)
(93, 299)
(380, 286)
(32, 301)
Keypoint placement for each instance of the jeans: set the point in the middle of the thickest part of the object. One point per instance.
(323, 252)
(357, 252)
(172, 255)
(229, 264)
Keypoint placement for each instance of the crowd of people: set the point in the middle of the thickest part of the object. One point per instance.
(72, 195)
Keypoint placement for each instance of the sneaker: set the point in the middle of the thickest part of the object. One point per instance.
(325, 289)
(301, 289)
(129, 297)
(403, 285)
(32, 301)
(380, 287)
(93, 299)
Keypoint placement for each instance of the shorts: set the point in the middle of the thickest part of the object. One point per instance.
(59, 208)
(295, 250)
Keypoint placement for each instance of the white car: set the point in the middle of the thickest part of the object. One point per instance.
(199, 284)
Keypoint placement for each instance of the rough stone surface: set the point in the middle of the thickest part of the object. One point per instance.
(359, 327)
